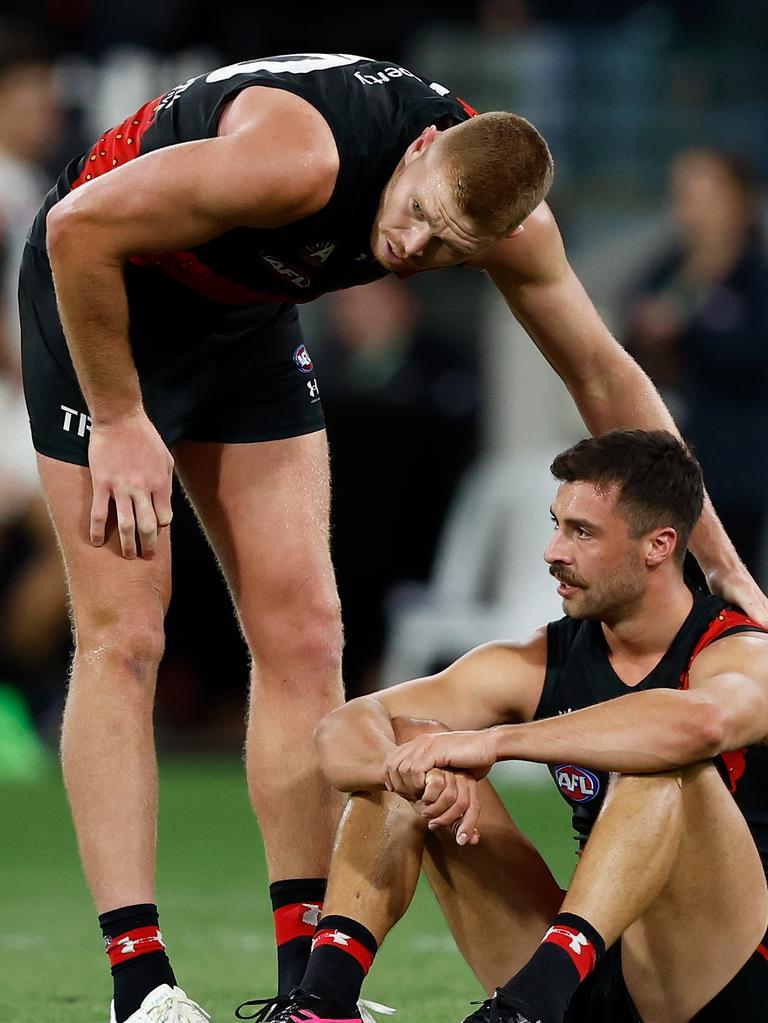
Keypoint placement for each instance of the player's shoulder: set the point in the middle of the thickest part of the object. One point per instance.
(500, 657)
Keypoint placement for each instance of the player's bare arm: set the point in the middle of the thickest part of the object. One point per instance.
(725, 708)
(275, 163)
(495, 682)
(610, 390)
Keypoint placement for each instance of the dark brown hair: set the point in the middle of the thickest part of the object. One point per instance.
(660, 480)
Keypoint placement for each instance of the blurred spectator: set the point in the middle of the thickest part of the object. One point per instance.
(401, 409)
(33, 621)
(698, 323)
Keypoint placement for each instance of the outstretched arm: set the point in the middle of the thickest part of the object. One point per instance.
(726, 708)
(609, 388)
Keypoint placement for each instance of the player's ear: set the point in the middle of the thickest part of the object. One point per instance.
(661, 545)
(421, 144)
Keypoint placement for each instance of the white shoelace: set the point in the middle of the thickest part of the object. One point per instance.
(175, 1009)
(368, 1008)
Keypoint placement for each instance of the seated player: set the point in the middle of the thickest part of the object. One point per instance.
(649, 704)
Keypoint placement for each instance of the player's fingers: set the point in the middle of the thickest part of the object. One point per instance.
(453, 811)
(99, 512)
(468, 826)
(126, 525)
(434, 788)
(161, 499)
(146, 524)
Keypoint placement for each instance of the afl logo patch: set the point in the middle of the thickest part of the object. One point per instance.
(576, 783)
(302, 359)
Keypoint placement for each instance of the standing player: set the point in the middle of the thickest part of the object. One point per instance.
(642, 678)
(179, 245)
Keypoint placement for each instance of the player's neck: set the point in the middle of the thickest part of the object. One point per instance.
(647, 632)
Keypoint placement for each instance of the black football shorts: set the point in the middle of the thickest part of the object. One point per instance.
(604, 998)
(208, 372)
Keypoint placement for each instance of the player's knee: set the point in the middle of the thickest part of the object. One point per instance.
(306, 634)
(662, 789)
(129, 641)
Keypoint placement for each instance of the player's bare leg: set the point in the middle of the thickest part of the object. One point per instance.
(376, 861)
(265, 509)
(671, 868)
(497, 896)
(107, 744)
(709, 916)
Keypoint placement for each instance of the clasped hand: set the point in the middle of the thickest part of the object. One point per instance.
(441, 772)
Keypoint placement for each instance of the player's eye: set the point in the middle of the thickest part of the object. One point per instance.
(582, 533)
(416, 206)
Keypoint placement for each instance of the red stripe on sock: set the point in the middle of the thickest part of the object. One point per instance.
(297, 920)
(345, 943)
(134, 943)
(580, 949)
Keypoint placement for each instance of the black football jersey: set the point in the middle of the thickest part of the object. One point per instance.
(375, 109)
(579, 674)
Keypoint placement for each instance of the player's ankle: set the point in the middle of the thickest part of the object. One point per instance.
(137, 956)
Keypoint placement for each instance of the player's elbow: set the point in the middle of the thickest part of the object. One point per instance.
(71, 229)
(333, 741)
(708, 733)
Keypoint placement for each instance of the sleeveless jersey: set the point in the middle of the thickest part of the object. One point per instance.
(579, 674)
(375, 110)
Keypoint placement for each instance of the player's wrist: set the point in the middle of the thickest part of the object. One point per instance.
(119, 412)
(505, 742)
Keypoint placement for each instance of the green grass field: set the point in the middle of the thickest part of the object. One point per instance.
(214, 906)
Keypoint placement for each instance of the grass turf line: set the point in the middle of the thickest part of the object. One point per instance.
(213, 902)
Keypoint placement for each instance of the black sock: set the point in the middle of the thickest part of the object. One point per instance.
(570, 950)
(136, 976)
(342, 953)
(296, 906)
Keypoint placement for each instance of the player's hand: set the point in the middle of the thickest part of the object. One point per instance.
(406, 766)
(450, 800)
(738, 587)
(131, 466)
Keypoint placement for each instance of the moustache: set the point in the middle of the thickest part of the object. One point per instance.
(564, 577)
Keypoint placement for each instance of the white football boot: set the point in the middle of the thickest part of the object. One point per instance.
(165, 1005)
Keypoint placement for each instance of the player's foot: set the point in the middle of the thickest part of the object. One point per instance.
(263, 1008)
(299, 1007)
(500, 1009)
(165, 1005)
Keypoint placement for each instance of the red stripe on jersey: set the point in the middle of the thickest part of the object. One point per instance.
(186, 268)
(763, 951)
(296, 920)
(345, 943)
(736, 761)
(137, 942)
(118, 145)
(466, 107)
(724, 621)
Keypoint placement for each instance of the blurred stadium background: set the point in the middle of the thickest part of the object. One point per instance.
(441, 415)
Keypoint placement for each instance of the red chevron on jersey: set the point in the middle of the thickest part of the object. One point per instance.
(735, 761)
(189, 270)
(118, 145)
(466, 107)
(724, 621)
